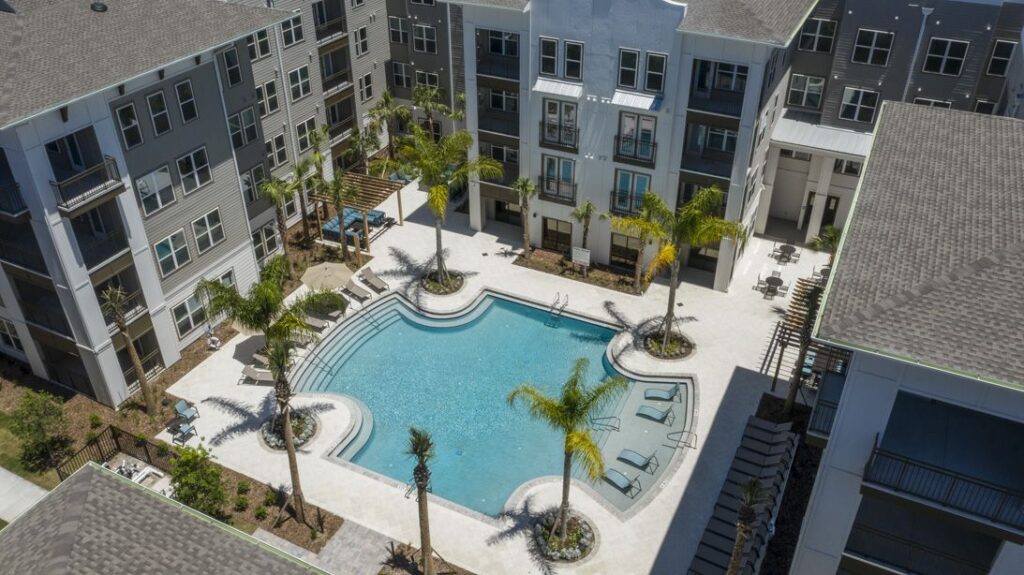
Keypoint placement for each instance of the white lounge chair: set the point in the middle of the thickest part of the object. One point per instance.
(316, 323)
(353, 289)
(257, 375)
(378, 285)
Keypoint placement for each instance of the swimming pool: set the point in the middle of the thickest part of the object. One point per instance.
(451, 377)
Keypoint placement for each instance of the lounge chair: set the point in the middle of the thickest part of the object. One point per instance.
(661, 393)
(184, 432)
(316, 323)
(619, 480)
(636, 460)
(654, 414)
(257, 375)
(353, 289)
(371, 279)
(185, 411)
(261, 359)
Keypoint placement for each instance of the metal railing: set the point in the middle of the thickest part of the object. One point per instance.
(946, 487)
(559, 135)
(28, 257)
(882, 547)
(336, 82)
(11, 202)
(500, 123)
(152, 363)
(822, 416)
(724, 102)
(697, 162)
(330, 28)
(134, 306)
(631, 149)
(556, 190)
(112, 441)
(507, 68)
(624, 203)
(509, 174)
(98, 249)
(87, 184)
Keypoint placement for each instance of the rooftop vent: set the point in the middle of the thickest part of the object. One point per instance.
(98, 7)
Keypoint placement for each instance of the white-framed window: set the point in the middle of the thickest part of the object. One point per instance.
(847, 167)
(235, 130)
(424, 38)
(400, 75)
(259, 45)
(817, 35)
(208, 231)
(398, 29)
(932, 103)
(264, 242)
(805, 91)
(559, 176)
(548, 57)
(277, 155)
(356, 3)
(9, 336)
(291, 29)
(503, 43)
(872, 47)
(504, 100)
(630, 188)
(194, 170)
(654, 72)
(251, 182)
(730, 77)
(298, 82)
(131, 132)
(1002, 52)
(720, 139)
(188, 315)
(506, 154)
(266, 98)
(794, 155)
(361, 38)
(365, 87)
(636, 136)
(427, 79)
(155, 190)
(985, 107)
(158, 113)
(858, 105)
(232, 67)
(186, 101)
(227, 279)
(945, 56)
(249, 130)
(572, 62)
(172, 252)
(302, 132)
(629, 66)
(422, 2)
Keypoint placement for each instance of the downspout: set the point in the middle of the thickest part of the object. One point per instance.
(926, 11)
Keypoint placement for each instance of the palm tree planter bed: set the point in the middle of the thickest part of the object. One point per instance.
(304, 428)
(679, 346)
(455, 283)
(555, 263)
(578, 543)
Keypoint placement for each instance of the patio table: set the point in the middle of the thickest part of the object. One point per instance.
(786, 251)
(773, 282)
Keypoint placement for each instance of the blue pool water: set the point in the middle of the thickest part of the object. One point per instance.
(453, 381)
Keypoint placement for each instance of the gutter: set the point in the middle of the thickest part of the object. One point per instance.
(926, 11)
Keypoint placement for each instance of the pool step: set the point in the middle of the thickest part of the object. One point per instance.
(338, 350)
(362, 436)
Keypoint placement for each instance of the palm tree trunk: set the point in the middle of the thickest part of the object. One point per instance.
(586, 231)
(340, 208)
(794, 383)
(639, 266)
(293, 465)
(426, 551)
(670, 314)
(305, 217)
(133, 355)
(524, 210)
(738, 547)
(442, 270)
(563, 511)
(282, 228)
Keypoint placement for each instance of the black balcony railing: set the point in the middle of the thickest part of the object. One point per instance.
(633, 150)
(87, 184)
(625, 203)
(336, 82)
(26, 256)
(879, 546)
(341, 130)
(152, 364)
(134, 307)
(557, 190)
(97, 249)
(560, 136)
(823, 416)
(947, 488)
(507, 68)
(50, 317)
(11, 202)
(722, 102)
(706, 164)
(333, 27)
(500, 123)
(509, 174)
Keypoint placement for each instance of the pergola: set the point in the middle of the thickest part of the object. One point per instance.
(372, 193)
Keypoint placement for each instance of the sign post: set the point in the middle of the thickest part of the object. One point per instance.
(581, 257)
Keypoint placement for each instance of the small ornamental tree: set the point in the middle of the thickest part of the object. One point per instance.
(197, 481)
(39, 422)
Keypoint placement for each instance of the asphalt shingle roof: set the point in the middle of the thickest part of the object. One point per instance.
(55, 51)
(96, 523)
(931, 267)
(767, 21)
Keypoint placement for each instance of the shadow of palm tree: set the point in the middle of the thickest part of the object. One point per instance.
(638, 330)
(522, 521)
(249, 418)
(410, 272)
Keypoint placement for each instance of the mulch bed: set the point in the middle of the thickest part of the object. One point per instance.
(431, 284)
(556, 263)
(679, 346)
(404, 560)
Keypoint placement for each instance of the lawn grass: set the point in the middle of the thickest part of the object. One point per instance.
(3, 524)
(10, 457)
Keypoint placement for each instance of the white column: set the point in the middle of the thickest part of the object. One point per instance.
(764, 205)
(476, 208)
(820, 198)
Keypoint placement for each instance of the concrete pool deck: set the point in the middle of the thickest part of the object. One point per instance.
(731, 331)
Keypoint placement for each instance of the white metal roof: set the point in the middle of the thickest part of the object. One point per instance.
(634, 100)
(558, 88)
(792, 131)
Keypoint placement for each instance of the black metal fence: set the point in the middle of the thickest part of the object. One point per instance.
(112, 441)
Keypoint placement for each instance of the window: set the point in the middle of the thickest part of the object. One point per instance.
(423, 2)
(131, 133)
(235, 129)
(232, 67)
(356, 3)
(805, 91)
(1001, 54)
(817, 35)
(365, 87)
(277, 155)
(560, 123)
(227, 279)
(720, 139)
(504, 154)
(629, 64)
(266, 98)
(188, 315)
(186, 101)
(208, 231)
(264, 242)
(302, 132)
(636, 136)
(630, 188)
(945, 57)
(158, 113)
(400, 75)
(298, 81)
(503, 43)
(872, 47)
(427, 79)
(654, 80)
(731, 77)
(399, 29)
(9, 336)
(291, 29)
(194, 170)
(504, 100)
(172, 252)
(847, 167)
(251, 182)
(559, 178)
(557, 235)
(858, 105)
(625, 251)
(259, 45)
(548, 56)
(933, 103)
(424, 39)
(572, 66)
(795, 155)
(362, 41)
(155, 190)
(985, 107)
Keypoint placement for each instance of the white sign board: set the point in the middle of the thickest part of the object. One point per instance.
(581, 256)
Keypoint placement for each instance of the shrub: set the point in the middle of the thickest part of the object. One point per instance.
(162, 449)
(241, 503)
(260, 513)
(270, 499)
(90, 436)
(140, 439)
(197, 481)
(95, 421)
(243, 487)
(39, 422)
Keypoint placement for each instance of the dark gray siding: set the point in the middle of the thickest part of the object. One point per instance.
(439, 63)
(374, 16)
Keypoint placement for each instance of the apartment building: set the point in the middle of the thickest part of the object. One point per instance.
(120, 167)
(922, 472)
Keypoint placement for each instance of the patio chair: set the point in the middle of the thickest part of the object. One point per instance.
(261, 359)
(184, 432)
(353, 289)
(760, 285)
(315, 322)
(185, 411)
(623, 483)
(257, 375)
(371, 279)
(641, 462)
(654, 414)
(776, 273)
(661, 393)
(783, 289)
(794, 257)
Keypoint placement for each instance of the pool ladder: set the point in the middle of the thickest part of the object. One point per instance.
(557, 307)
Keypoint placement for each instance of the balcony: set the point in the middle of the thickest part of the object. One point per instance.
(556, 190)
(81, 189)
(559, 136)
(46, 313)
(152, 365)
(11, 203)
(625, 203)
(498, 67)
(503, 123)
(338, 132)
(18, 246)
(508, 176)
(134, 308)
(708, 164)
(719, 102)
(337, 83)
(824, 412)
(331, 30)
(633, 150)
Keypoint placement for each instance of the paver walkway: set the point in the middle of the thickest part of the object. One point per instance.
(17, 495)
(354, 550)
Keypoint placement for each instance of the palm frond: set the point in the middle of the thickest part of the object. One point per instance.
(421, 445)
(598, 396)
(539, 406)
(662, 260)
(586, 453)
(437, 199)
(276, 190)
(279, 357)
(524, 188)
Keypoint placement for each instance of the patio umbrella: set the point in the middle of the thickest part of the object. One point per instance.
(327, 275)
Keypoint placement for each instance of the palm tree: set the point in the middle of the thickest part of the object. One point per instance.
(115, 305)
(642, 225)
(341, 191)
(750, 498)
(827, 241)
(429, 98)
(318, 139)
(421, 447)
(388, 112)
(279, 358)
(812, 301)
(570, 413)
(362, 144)
(526, 190)
(583, 214)
(696, 224)
(280, 193)
(298, 186)
(441, 165)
